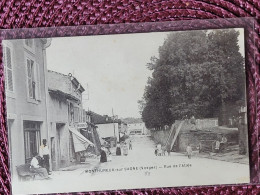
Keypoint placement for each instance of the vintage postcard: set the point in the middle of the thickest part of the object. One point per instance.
(127, 111)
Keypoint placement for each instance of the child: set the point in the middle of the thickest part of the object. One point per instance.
(189, 151)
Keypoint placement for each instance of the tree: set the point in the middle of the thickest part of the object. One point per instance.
(197, 72)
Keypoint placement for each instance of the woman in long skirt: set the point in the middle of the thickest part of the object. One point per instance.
(103, 156)
(118, 150)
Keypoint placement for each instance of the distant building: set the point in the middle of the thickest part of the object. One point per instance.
(26, 97)
(110, 129)
(137, 129)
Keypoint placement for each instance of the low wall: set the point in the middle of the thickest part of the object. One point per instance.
(206, 123)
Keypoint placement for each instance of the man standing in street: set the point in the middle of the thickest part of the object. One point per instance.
(130, 145)
(45, 154)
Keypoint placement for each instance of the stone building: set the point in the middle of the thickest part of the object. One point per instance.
(65, 112)
(26, 97)
(137, 128)
(108, 128)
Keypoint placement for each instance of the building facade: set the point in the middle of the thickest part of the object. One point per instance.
(137, 129)
(108, 128)
(26, 97)
(65, 112)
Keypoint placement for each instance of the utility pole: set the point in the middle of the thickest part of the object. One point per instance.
(114, 123)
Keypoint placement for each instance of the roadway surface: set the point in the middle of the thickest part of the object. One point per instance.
(140, 169)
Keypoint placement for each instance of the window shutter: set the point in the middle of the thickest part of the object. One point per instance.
(29, 76)
(10, 80)
(8, 68)
(37, 81)
(5, 66)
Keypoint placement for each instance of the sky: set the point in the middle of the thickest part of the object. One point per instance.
(111, 68)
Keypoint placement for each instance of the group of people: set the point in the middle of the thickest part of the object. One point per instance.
(121, 149)
(161, 150)
(40, 163)
(124, 147)
(220, 144)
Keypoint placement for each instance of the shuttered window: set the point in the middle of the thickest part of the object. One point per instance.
(8, 69)
(32, 79)
(30, 71)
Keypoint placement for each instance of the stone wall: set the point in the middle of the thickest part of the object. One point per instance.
(206, 123)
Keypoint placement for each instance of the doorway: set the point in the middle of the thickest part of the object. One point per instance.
(60, 144)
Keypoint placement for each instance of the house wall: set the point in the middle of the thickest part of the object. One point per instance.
(59, 131)
(19, 106)
(108, 130)
(137, 127)
(65, 108)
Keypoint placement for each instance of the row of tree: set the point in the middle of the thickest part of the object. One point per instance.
(197, 73)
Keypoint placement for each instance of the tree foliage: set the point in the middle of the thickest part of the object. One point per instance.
(197, 73)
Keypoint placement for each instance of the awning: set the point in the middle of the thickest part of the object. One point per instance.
(80, 142)
(103, 142)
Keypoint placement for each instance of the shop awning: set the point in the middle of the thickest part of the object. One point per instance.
(103, 142)
(80, 142)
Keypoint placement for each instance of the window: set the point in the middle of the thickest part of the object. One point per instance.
(71, 112)
(32, 79)
(32, 139)
(8, 68)
(76, 114)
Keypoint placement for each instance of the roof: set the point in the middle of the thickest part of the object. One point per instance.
(102, 119)
(60, 93)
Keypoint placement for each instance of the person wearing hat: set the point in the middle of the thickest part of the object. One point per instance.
(45, 154)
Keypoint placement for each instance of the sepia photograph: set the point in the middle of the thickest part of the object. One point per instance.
(126, 111)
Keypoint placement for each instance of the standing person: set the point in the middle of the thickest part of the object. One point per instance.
(103, 155)
(125, 149)
(130, 145)
(159, 150)
(189, 151)
(156, 151)
(36, 168)
(45, 154)
(168, 148)
(217, 146)
(118, 150)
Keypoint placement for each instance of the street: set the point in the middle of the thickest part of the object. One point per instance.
(140, 169)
